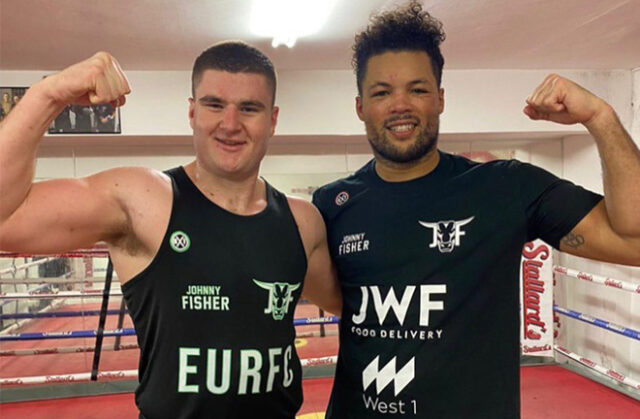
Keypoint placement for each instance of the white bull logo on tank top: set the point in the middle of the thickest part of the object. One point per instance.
(446, 234)
(279, 297)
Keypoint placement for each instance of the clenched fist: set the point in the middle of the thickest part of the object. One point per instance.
(560, 100)
(96, 80)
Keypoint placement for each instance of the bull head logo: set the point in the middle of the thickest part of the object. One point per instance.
(279, 297)
(446, 234)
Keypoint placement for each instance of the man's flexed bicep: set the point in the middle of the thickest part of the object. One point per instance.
(594, 238)
(64, 214)
(60, 214)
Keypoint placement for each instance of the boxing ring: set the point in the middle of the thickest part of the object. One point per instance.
(66, 333)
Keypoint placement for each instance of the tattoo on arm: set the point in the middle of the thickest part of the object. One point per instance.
(573, 240)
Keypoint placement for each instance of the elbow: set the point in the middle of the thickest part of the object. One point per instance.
(627, 228)
(634, 246)
(336, 309)
(4, 242)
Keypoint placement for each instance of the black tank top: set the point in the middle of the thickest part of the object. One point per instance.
(213, 311)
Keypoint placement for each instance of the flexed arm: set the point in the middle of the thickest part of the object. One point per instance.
(26, 209)
(611, 231)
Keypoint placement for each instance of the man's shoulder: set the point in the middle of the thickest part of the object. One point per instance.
(301, 207)
(139, 191)
(338, 192)
(513, 169)
(479, 160)
(132, 178)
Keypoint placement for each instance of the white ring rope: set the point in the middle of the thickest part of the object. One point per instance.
(56, 304)
(608, 282)
(86, 376)
(59, 280)
(14, 269)
(599, 368)
(59, 294)
(602, 280)
(121, 347)
(64, 350)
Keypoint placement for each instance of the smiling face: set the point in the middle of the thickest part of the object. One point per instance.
(400, 106)
(232, 118)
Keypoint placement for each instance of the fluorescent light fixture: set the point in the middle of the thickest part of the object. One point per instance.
(287, 20)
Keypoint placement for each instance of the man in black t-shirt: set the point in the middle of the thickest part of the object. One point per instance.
(428, 245)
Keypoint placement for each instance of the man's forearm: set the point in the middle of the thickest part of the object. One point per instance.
(621, 172)
(20, 134)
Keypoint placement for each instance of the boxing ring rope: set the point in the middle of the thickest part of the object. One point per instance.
(599, 368)
(61, 280)
(15, 269)
(597, 279)
(43, 291)
(58, 314)
(58, 294)
(86, 376)
(121, 347)
(73, 334)
(99, 251)
(66, 378)
(102, 252)
(53, 306)
(65, 350)
(603, 324)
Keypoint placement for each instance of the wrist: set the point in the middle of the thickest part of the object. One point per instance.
(38, 107)
(604, 116)
(44, 92)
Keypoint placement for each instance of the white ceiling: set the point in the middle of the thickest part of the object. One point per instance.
(169, 34)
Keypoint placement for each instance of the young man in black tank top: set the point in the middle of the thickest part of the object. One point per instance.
(427, 244)
(211, 259)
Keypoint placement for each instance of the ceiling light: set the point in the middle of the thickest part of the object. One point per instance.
(287, 20)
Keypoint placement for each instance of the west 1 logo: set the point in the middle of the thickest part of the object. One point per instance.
(382, 377)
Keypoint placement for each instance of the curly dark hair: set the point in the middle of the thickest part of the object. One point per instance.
(234, 57)
(408, 28)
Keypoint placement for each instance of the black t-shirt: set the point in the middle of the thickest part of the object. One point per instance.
(429, 276)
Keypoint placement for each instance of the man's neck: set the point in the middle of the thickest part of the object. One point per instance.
(242, 195)
(402, 172)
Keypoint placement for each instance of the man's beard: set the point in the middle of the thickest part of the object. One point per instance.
(425, 142)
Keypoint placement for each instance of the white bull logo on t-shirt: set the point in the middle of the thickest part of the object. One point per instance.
(446, 234)
(279, 297)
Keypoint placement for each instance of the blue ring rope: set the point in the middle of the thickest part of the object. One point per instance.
(130, 331)
(612, 327)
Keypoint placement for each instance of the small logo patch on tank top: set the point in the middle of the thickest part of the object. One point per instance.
(179, 241)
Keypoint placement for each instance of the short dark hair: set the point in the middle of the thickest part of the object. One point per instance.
(234, 57)
(408, 28)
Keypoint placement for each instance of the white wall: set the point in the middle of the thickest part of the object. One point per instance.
(322, 102)
(635, 123)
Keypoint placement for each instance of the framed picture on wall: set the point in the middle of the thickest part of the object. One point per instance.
(95, 119)
(9, 97)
